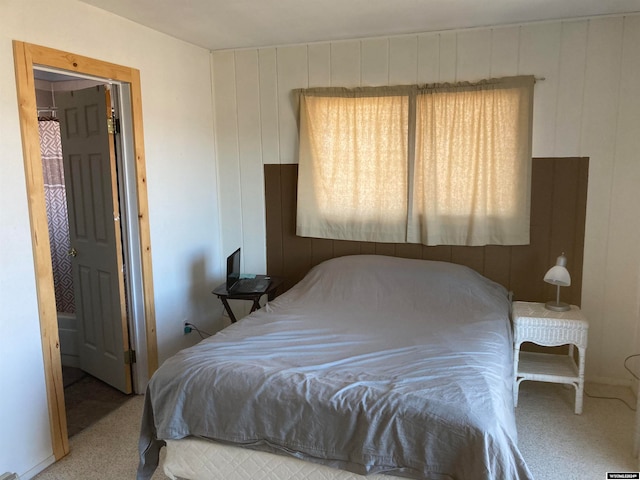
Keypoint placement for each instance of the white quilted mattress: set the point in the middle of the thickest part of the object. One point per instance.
(195, 459)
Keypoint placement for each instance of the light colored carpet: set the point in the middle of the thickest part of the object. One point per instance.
(107, 450)
(555, 443)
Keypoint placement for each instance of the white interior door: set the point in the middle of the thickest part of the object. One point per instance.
(94, 226)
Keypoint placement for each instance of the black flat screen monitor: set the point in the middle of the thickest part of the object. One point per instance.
(233, 269)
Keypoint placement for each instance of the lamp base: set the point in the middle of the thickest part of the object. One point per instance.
(557, 306)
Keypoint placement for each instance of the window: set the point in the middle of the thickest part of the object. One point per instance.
(435, 164)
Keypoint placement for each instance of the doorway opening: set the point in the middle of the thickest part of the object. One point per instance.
(137, 250)
(79, 146)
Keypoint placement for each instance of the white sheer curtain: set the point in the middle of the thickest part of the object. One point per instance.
(472, 171)
(432, 164)
(352, 177)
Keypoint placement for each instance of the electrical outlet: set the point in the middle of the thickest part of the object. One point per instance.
(186, 328)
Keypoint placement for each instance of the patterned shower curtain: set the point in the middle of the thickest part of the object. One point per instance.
(56, 201)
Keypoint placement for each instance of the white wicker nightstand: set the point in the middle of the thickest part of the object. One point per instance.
(534, 323)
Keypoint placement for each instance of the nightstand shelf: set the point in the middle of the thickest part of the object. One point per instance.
(532, 322)
(545, 367)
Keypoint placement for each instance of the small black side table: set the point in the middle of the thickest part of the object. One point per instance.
(221, 292)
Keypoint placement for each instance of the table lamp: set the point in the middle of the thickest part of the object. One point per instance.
(558, 275)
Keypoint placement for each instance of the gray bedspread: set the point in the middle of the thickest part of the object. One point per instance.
(369, 364)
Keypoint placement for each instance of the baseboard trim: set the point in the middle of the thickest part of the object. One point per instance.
(29, 474)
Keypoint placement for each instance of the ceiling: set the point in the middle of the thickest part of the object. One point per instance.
(225, 24)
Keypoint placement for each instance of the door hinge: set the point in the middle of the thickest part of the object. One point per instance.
(113, 125)
(129, 357)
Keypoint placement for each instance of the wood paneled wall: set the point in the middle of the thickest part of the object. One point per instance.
(558, 207)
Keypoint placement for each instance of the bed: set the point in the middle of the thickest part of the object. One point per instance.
(371, 365)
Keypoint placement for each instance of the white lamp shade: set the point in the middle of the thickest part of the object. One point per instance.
(558, 275)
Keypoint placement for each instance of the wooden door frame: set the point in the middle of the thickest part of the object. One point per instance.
(25, 57)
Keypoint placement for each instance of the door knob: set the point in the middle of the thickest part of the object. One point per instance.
(73, 252)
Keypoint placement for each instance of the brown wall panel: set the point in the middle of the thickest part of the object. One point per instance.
(273, 198)
(368, 249)
(575, 291)
(472, 257)
(342, 248)
(441, 253)
(296, 250)
(558, 210)
(563, 226)
(321, 250)
(497, 263)
(409, 250)
(386, 249)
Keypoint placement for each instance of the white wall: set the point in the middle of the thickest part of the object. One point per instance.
(587, 106)
(183, 203)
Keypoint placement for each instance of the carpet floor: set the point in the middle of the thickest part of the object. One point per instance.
(555, 443)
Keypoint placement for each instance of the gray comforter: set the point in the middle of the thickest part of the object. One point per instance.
(369, 364)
